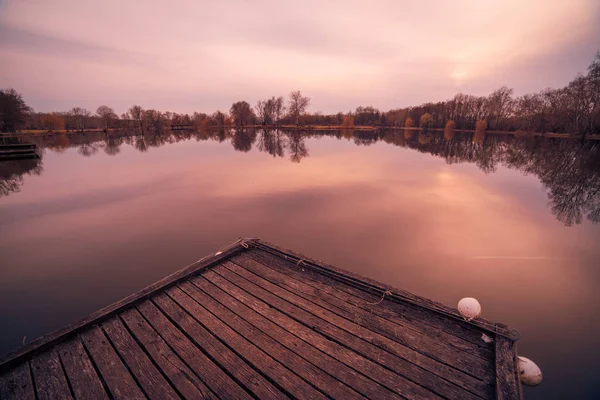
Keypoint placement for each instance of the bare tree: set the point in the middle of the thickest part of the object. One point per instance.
(298, 104)
(137, 114)
(155, 120)
(278, 109)
(499, 106)
(107, 115)
(269, 111)
(263, 112)
(80, 116)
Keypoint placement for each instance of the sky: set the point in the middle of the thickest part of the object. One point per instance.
(197, 55)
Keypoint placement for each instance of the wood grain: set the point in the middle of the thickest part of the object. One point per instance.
(153, 383)
(185, 380)
(211, 374)
(416, 366)
(115, 374)
(50, 380)
(321, 359)
(81, 374)
(16, 384)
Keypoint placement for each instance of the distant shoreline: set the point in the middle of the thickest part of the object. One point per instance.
(312, 128)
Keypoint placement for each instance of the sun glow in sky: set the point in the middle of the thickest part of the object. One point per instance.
(190, 55)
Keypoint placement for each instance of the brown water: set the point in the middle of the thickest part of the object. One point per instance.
(102, 217)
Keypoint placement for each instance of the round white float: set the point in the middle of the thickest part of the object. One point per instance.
(469, 308)
(529, 373)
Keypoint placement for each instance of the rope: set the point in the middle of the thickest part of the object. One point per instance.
(240, 241)
(387, 292)
(479, 322)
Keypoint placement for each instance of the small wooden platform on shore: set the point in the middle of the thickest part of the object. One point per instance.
(256, 321)
(18, 151)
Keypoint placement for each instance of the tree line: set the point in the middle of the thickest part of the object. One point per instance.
(574, 108)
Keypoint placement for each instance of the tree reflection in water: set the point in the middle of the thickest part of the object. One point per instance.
(243, 140)
(12, 172)
(272, 141)
(568, 169)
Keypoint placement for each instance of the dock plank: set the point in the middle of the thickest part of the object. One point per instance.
(118, 380)
(253, 353)
(16, 384)
(216, 378)
(445, 329)
(379, 362)
(303, 369)
(81, 374)
(186, 381)
(507, 380)
(153, 383)
(416, 366)
(409, 334)
(323, 360)
(429, 309)
(50, 380)
(252, 380)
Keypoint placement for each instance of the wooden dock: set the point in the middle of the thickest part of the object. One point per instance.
(18, 151)
(256, 321)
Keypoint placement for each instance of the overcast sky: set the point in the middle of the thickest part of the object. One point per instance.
(194, 55)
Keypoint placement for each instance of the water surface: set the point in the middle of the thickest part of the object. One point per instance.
(507, 220)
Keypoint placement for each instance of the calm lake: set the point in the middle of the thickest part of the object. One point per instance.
(507, 220)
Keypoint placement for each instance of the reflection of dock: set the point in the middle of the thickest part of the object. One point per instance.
(18, 151)
(255, 321)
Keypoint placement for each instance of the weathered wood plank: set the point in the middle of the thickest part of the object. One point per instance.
(349, 349)
(225, 357)
(81, 374)
(508, 386)
(47, 341)
(309, 372)
(447, 330)
(210, 373)
(154, 385)
(252, 353)
(380, 347)
(402, 331)
(186, 382)
(367, 284)
(16, 384)
(118, 380)
(327, 363)
(50, 380)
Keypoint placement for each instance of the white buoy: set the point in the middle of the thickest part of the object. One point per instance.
(469, 308)
(529, 373)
